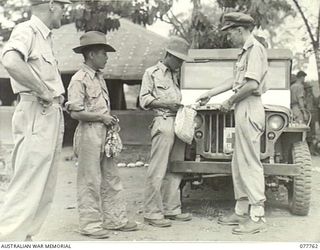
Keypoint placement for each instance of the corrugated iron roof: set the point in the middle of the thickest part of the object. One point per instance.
(137, 49)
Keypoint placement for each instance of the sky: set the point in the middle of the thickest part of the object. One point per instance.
(295, 44)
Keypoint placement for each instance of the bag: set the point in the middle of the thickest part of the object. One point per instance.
(184, 125)
(113, 146)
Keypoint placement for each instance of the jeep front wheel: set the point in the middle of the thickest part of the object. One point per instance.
(300, 188)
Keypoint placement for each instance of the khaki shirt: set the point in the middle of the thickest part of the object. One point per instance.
(88, 91)
(33, 39)
(296, 92)
(252, 64)
(159, 83)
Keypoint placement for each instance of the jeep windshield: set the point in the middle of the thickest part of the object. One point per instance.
(210, 67)
(209, 74)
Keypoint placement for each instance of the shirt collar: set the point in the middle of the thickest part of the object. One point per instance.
(90, 71)
(248, 43)
(44, 30)
(163, 67)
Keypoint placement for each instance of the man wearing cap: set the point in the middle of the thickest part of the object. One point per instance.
(248, 84)
(100, 195)
(298, 103)
(160, 92)
(311, 104)
(37, 121)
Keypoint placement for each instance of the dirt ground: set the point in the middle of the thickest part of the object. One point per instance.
(206, 204)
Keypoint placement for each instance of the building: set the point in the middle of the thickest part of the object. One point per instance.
(137, 49)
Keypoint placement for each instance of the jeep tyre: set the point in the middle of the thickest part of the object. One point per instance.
(300, 188)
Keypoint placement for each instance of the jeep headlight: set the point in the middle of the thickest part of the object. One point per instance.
(198, 121)
(276, 122)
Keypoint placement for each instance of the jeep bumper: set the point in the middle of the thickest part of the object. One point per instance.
(206, 167)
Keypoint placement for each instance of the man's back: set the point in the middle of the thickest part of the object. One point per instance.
(297, 92)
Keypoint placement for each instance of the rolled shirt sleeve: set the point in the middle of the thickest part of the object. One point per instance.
(20, 40)
(76, 95)
(146, 97)
(256, 67)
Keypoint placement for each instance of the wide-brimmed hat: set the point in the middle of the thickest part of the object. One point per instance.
(92, 38)
(236, 19)
(36, 2)
(178, 47)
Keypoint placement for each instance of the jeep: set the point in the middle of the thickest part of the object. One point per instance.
(284, 151)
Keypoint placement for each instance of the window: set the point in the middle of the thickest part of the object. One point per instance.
(207, 75)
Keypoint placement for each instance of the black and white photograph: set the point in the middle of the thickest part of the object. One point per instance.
(159, 121)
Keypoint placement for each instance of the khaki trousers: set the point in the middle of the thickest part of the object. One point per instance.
(247, 170)
(100, 194)
(162, 193)
(37, 134)
(297, 114)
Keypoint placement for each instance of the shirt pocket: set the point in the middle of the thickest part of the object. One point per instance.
(49, 67)
(93, 92)
(93, 101)
(162, 89)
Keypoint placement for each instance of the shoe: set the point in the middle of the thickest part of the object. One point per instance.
(233, 219)
(158, 222)
(130, 226)
(179, 217)
(101, 234)
(250, 227)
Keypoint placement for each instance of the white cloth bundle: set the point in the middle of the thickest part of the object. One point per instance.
(184, 124)
(113, 146)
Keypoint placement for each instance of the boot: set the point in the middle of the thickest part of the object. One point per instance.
(250, 227)
(233, 219)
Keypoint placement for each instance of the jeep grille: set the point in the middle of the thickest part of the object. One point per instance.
(211, 144)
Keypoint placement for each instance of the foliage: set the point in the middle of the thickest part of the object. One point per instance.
(312, 27)
(11, 13)
(104, 15)
(265, 12)
(202, 28)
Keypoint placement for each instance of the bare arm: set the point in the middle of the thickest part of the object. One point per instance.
(223, 87)
(161, 104)
(244, 91)
(93, 117)
(302, 107)
(301, 102)
(19, 70)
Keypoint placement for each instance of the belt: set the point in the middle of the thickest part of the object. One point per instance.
(165, 115)
(26, 97)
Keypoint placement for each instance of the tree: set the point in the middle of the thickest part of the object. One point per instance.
(101, 15)
(202, 28)
(313, 30)
(104, 15)
(11, 13)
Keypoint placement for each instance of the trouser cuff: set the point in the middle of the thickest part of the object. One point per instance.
(257, 212)
(242, 207)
